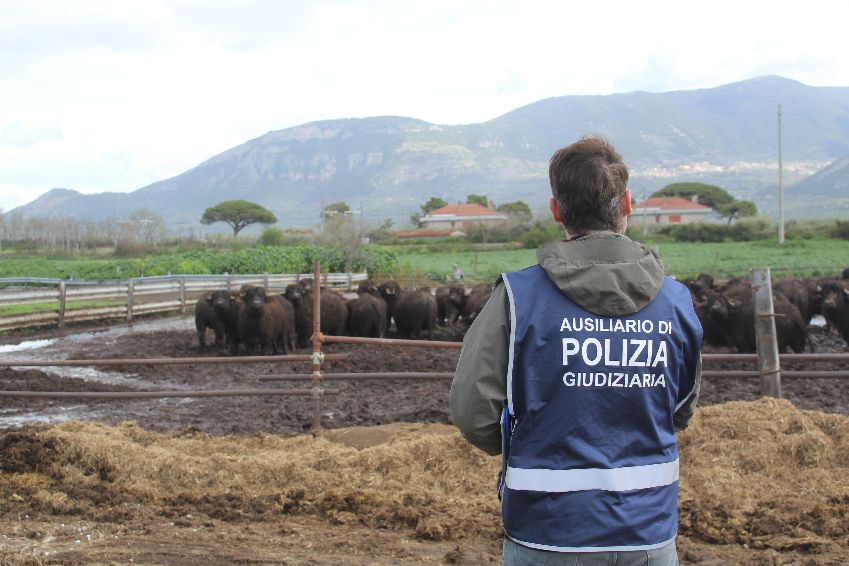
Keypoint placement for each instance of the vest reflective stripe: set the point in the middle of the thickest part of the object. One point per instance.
(617, 479)
(512, 349)
(591, 548)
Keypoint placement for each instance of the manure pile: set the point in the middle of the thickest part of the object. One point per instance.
(761, 473)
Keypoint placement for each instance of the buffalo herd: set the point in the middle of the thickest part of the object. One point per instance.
(266, 323)
(727, 310)
(262, 322)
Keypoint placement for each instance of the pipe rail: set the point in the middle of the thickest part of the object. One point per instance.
(781, 357)
(165, 394)
(784, 373)
(167, 361)
(360, 376)
(328, 339)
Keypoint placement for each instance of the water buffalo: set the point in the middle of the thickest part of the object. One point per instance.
(450, 301)
(262, 322)
(800, 292)
(367, 316)
(835, 306)
(334, 313)
(206, 317)
(475, 302)
(389, 291)
(732, 316)
(415, 312)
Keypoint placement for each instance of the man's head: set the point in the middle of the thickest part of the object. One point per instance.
(589, 187)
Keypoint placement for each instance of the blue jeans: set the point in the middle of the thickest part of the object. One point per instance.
(518, 555)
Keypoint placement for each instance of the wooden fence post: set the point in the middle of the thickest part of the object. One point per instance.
(317, 376)
(767, 339)
(130, 299)
(183, 296)
(62, 298)
(265, 280)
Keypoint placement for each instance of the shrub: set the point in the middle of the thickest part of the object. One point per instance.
(752, 229)
(840, 230)
(271, 237)
(744, 230)
(696, 232)
(541, 233)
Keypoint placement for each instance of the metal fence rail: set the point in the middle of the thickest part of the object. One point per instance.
(134, 297)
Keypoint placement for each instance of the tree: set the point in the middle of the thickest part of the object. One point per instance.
(518, 210)
(432, 204)
(709, 195)
(737, 209)
(715, 197)
(145, 226)
(477, 199)
(335, 208)
(238, 214)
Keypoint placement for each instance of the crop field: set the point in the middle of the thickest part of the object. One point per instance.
(727, 259)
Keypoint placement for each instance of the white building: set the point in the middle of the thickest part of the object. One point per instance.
(670, 210)
(458, 216)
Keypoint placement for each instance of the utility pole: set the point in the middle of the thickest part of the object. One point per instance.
(645, 205)
(780, 184)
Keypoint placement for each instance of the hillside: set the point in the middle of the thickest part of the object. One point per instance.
(724, 135)
(830, 184)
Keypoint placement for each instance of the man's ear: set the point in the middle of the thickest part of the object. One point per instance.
(555, 210)
(626, 203)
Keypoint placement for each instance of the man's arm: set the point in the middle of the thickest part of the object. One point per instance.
(479, 389)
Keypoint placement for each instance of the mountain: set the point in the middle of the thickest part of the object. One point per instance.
(390, 165)
(804, 199)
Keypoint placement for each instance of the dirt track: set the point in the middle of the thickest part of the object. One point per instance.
(247, 527)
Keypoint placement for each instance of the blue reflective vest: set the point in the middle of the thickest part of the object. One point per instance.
(590, 457)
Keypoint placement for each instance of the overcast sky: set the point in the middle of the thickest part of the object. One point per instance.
(114, 95)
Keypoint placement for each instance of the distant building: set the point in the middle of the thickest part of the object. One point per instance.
(670, 210)
(457, 216)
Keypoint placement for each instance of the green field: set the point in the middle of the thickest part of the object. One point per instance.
(796, 257)
(729, 259)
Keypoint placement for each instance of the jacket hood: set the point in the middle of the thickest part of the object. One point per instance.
(605, 273)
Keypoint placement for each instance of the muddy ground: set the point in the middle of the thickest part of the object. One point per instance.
(195, 534)
(359, 402)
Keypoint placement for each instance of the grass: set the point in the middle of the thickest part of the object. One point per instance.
(53, 306)
(727, 259)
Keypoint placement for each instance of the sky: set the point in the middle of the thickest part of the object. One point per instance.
(99, 95)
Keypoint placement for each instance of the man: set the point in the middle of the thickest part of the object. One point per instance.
(579, 371)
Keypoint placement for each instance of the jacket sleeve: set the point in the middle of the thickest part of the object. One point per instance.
(681, 418)
(479, 389)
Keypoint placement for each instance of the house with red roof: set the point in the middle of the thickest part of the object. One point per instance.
(462, 215)
(670, 210)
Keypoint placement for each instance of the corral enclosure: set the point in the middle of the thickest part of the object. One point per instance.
(170, 489)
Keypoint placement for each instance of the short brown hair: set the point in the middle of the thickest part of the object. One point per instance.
(588, 180)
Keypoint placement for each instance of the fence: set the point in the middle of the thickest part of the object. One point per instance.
(768, 367)
(28, 302)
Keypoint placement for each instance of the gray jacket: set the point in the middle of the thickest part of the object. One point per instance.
(605, 273)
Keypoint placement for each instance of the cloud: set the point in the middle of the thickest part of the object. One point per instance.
(103, 95)
(20, 134)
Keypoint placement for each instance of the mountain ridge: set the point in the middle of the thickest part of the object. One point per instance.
(725, 135)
